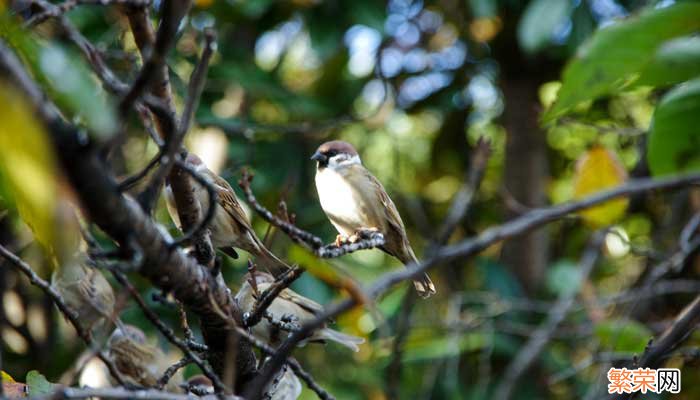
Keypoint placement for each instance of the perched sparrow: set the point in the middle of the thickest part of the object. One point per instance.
(284, 386)
(230, 226)
(86, 291)
(140, 362)
(354, 200)
(288, 307)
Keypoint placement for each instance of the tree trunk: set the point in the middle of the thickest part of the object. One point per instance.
(525, 178)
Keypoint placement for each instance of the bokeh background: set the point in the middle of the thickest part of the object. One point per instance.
(413, 85)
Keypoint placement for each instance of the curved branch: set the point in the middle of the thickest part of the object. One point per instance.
(467, 248)
(369, 239)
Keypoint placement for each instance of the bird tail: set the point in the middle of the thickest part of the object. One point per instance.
(266, 259)
(349, 341)
(424, 286)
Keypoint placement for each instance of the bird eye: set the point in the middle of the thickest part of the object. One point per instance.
(331, 153)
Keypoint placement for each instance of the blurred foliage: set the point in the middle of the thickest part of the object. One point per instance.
(413, 85)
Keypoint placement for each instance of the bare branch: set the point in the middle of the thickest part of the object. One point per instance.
(543, 334)
(70, 314)
(119, 216)
(171, 371)
(467, 248)
(121, 393)
(463, 199)
(173, 143)
(62, 8)
(657, 349)
(172, 12)
(168, 333)
(369, 239)
(269, 295)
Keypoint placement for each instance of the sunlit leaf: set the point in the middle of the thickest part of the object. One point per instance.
(623, 335)
(27, 165)
(675, 61)
(599, 169)
(674, 138)
(38, 385)
(614, 57)
(5, 377)
(67, 78)
(540, 21)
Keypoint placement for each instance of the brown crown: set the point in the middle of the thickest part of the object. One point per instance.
(337, 146)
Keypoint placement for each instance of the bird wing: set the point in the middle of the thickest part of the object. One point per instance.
(230, 203)
(102, 300)
(391, 214)
(303, 302)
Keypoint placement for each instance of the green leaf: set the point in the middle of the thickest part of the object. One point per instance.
(675, 61)
(623, 335)
(66, 77)
(674, 137)
(38, 385)
(540, 21)
(616, 55)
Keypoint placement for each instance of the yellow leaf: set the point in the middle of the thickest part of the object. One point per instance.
(28, 170)
(5, 377)
(599, 169)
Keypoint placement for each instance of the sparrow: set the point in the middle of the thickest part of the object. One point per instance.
(288, 307)
(355, 201)
(284, 386)
(140, 362)
(86, 291)
(230, 226)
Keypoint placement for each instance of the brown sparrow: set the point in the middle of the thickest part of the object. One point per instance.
(289, 307)
(141, 363)
(355, 201)
(284, 386)
(230, 226)
(86, 291)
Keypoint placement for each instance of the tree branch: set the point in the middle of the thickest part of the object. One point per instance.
(70, 314)
(120, 216)
(543, 334)
(269, 295)
(369, 239)
(466, 248)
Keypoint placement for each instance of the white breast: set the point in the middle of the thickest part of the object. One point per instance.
(339, 201)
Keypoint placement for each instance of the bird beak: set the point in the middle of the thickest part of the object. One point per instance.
(321, 158)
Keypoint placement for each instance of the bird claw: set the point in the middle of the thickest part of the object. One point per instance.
(340, 240)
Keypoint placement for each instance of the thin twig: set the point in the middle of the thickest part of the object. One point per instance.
(466, 248)
(121, 393)
(172, 13)
(171, 371)
(308, 240)
(68, 5)
(174, 142)
(70, 314)
(543, 334)
(270, 294)
(685, 323)
(464, 197)
(168, 333)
